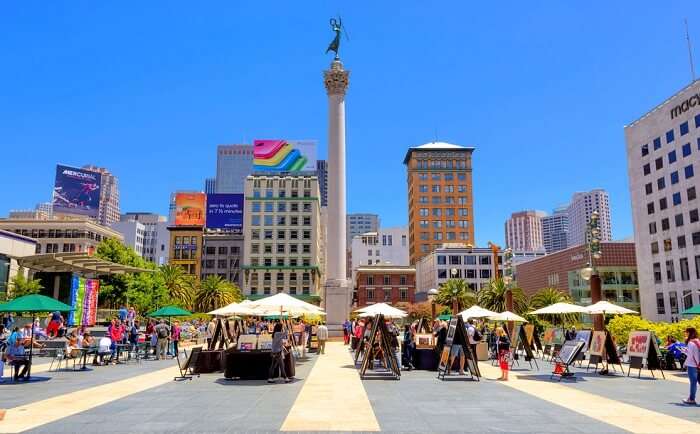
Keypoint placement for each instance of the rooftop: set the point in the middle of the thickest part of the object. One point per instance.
(436, 146)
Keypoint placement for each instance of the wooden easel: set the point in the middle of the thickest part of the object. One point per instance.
(529, 356)
(652, 356)
(380, 334)
(566, 356)
(609, 355)
(457, 335)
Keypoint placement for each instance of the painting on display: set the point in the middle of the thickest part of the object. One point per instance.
(265, 342)
(529, 333)
(569, 350)
(638, 344)
(424, 341)
(247, 342)
(585, 337)
(597, 346)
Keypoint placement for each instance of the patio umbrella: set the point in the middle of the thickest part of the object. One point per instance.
(558, 308)
(169, 311)
(34, 303)
(476, 312)
(607, 307)
(695, 310)
(233, 309)
(383, 309)
(282, 302)
(507, 316)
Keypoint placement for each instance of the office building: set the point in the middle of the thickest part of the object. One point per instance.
(322, 173)
(210, 185)
(108, 212)
(555, 230)
(358, 224)
(222, 256)
(388, 246)
(156, 240)
(233, 164)
(440, 201)
(186, 248)
(663, 154)
(61, 236)
(524, 230)
(473, 264)
(282, 233)
(617, 269)
(12, 246)
(133, 233)
(579, 211)
(384, 283)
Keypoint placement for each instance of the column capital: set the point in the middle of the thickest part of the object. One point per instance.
(336, 79)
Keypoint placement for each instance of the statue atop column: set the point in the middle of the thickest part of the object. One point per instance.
(337, 26)
(336, 79)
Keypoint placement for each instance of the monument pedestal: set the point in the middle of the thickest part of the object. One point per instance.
(337, 296)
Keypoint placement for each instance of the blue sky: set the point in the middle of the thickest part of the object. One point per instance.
(148, 89)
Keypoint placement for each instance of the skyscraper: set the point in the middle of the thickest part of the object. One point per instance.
(555, 230)
(440, 202)
(109, 196)
(580, 209)
(210, 185)
(358, 224)
(233, 164)
(524, 230)
(322, 173)
(663, 153)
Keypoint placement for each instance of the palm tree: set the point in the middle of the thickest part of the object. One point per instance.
(24, 286)
(455, 293)
(215, 292)
(180, 286)
(493, 297)
(548, 296)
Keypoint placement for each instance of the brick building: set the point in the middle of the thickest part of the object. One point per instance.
(384, 283)
(562, 270)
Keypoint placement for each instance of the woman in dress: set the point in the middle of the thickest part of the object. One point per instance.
(503, 348)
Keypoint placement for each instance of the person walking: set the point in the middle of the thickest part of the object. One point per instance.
(162, 333)
(472, 336)
(322, 336)
(347, 330)
(279, 341)
(409, 345)
(134, 335)
(175, 337)
(130, 317)
(692, 362)
(503, 348)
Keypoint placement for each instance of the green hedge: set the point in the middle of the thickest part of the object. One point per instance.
(621, 326)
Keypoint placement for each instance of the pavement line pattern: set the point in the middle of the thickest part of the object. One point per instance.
(333, 397)
(39, 413)
(600, 408)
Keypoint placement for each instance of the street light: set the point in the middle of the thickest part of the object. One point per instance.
(507, 279)
(432, 293)
(455, 301)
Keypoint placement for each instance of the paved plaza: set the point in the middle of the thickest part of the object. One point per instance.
(328, 395)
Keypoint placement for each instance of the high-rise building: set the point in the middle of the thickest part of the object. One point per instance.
(156, 240)
(322, 173)
(222, 256)
(358, 224)
(210, 185)
(524, 230)
(133, 233)
(555, 230)
(109, 196)
(233, 164)
(282, 235)
(440, 201)
(580, 209)
(663, 153)
(42, 211)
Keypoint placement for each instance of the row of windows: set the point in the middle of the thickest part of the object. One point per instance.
(59, 233)
(279, 277)
(403, 294)
(280, 248)
(670, 136)
(223, 250)
(439, 236)
(269, 220)
(468, 260)
(386, 280)
(661, 182)
(267, 290)
(53, 248)
(437, 224)
(269, 193)
(673, 301)
(441, 164)
(676, 198)
(268, 234)
(671, 269)
(466, 274)
(281, 207)
(437, 188)
(438, 200)
(280, 262)
(185, 241)
(688, 171)
(448, 212)
(221, 263)
(442, 176)
(679, 221)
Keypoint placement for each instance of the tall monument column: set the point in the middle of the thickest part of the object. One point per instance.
(337, 289)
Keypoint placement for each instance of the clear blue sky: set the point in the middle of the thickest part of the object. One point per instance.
(148, 89)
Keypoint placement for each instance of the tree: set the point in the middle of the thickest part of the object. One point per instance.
(455, 290)
(548, 296)
(21, 285)
(180, 286)
(215, 292)
(493, 297)
(113, 288)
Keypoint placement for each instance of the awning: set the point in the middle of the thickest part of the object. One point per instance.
(76, 263)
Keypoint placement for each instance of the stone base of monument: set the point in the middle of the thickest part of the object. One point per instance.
(336, 301)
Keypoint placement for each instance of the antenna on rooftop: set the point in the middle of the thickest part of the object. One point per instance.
(690, 50)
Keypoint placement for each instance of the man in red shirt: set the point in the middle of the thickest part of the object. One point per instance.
(116, 334)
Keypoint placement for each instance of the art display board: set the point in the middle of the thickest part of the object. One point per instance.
(602, 348)
(217, 338)
(642, 345)
(247, 342)
(457, 335)
(585, 337)
(361, 345)
(638, 344)
(553, 336)
(264, 343)
(597, 345)
(567, 354)
(529, 356)
(425, 341)
(515, 343)
(529, 334)
(380, 335)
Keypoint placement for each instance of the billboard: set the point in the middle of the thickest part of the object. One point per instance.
(225, 211)
(284, 155)
(189, 209)
(76, 191)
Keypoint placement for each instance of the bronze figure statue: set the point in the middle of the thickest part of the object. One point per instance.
(337, 26)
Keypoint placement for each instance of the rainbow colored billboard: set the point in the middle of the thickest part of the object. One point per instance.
(284, 155)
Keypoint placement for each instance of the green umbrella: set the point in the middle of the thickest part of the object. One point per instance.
(169, 311)
(695, 310)
(444, 317)
(34, 303)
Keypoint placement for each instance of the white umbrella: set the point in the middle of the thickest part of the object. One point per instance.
(282, 302)
(559, 308)
(507, 316)
(382, 308)
(607, 307)
(233, 309)
(476, 312)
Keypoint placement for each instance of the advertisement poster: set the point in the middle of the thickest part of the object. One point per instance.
(225, 211)
(597, 344)
(76, 191)
(89, 314)
(189, 209)
(284, 155)
(638, 344)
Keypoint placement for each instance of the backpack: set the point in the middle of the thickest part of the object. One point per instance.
(477, 335)
(162, 332)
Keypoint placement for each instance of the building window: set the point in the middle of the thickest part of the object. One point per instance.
(485, 274)
(686, 149)
(657, 272)
(670, 137)
(659, 163)
(387, 280)
(696, 238)
(648, 188)
(667, 245)
(680, 241)
(660, 304)
(688, 171)
(661, 183)
(663, 203)
(654, 247)
(697, 266)
(650, 208)
(674, 178)
(657, 143)
(403, 294)
(255, 220)
(676, 199)
(665, 224)
(646, 169)
(687, 299)
(652, 228)
(670, 271)
(442, 260)
(455, 260)
(645, 150)
(693, 215)
(402, 280)
(672, 157)
(673, 302)
(679, 220)
(370, 280)
(691, 194)
(685, 271)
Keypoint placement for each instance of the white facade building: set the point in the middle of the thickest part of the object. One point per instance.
(156, 238)
(133, 233)
(12, 246)
(360, 223)
(579, 211)
(524, 230)
(663, 154)
(387, 246)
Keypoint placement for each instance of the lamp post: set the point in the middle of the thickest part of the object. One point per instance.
(507, 280)
(590, 273)
(431, 296)
(455, 302)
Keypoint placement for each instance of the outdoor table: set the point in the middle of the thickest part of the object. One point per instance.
(210, 361)
(254, 365)
(425, 359)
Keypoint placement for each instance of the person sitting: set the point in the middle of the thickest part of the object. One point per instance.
(104, 348)
(15, 355)
(72, 345)
(26, 336)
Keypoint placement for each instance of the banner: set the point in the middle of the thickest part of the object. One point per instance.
(189, 209)
(89, 307)
(225, 211)
(74, 285)
(284, 155)
(76, 191)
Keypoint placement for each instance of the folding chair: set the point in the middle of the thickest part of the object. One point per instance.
(187, 368)
(59, 357)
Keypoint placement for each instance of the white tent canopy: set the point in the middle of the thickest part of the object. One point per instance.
(560, 308)
(476, 312)
(507, 316)
(381, 308)
(607, 307)
(283, 302)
